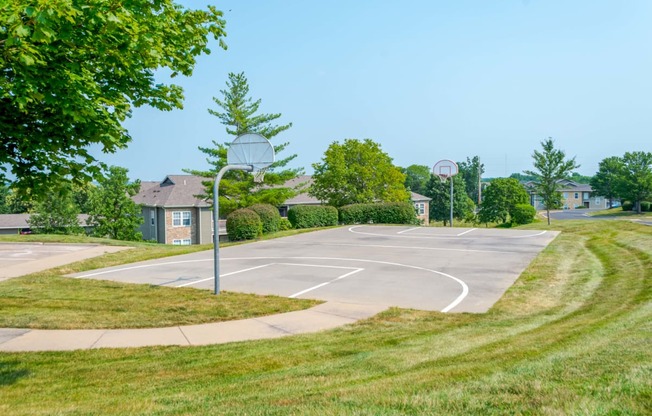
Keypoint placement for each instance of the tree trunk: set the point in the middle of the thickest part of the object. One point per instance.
(548, 214)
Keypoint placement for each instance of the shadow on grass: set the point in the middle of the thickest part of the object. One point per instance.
(10, 373)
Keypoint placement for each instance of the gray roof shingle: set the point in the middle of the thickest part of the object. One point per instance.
(173, 191)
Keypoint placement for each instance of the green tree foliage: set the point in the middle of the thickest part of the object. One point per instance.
(4, 194)
(635, 182)
(239, 113)
(112, 211)
(605, 181)
(416, 178)
(357, 172)
(471, 171)
(71, 70)
(56, 213)
(523, 214)
(463, 206)
(550, 166)
(500, 199)
(576, 177)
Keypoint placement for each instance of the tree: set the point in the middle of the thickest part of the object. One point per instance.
(416, 178)
(551, 167)
(605, 181)
(357, 172)
(500, 199)
(471, 171)
(72, 70)
(113, 213)
(439, 191)
(239, 113)
(635, 183)
(56, 213)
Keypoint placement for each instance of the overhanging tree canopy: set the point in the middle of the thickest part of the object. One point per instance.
(71, 70)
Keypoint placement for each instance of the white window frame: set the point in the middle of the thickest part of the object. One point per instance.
(181, 242)
(181, 218)
(420, 207)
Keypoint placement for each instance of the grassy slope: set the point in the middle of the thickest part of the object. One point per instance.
(572, 336)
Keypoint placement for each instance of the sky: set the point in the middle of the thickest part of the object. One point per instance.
(427, 80)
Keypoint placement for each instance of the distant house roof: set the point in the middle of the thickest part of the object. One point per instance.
(173, 191)
(11, 221)
(415, 197)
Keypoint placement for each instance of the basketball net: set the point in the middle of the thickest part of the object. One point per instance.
(443, 177)
(259, 176)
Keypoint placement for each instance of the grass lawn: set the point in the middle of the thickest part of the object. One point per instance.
(572, 336)
(618, 212)
(47, 300)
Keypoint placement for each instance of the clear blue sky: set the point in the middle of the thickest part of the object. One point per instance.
(428, 80)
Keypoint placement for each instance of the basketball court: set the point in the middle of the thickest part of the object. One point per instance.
(427, 268)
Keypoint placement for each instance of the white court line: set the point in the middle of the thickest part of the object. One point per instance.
(325, 283)
(143, 266)
(408, 230)
(464, 250)
(460, 298)
(439, 237)
(18, 259)
(224, 275)
(467, 231)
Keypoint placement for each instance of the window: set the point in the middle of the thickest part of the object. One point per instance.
(577, 195)
(181, 218)
(184, 242)
(151, 216)
(420, 207)
(598, 202)
(565, 195)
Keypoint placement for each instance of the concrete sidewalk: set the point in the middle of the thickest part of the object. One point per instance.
(325, 316)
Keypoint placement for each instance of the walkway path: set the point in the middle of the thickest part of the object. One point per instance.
(325, 316)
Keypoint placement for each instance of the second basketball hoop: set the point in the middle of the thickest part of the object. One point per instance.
(446, 169)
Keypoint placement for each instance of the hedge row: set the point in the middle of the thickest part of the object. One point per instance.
(309, 216)
(379, 213)
(646, 206)
(250, 223)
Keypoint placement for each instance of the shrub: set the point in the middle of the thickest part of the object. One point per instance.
(285, 224)
(243, 224)
(379, 213)
(628, 206)
(523, 214)
(645, 206)
(308, 216)
(269, 217)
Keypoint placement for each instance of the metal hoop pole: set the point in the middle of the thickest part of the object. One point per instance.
(451, 179)
(216, 218)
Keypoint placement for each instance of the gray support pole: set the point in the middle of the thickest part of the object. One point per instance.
(451, 179)
(216, 218)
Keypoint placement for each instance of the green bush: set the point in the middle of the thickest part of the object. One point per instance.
(379, 213)
(285, 224)
(523, 214)
(628, 206)
(269, 216)
(645, 206)
(243, 224)
(309, 216)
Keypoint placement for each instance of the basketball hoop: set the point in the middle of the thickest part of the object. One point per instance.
(446, 169)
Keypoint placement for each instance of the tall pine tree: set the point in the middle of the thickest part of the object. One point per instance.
(240, 114)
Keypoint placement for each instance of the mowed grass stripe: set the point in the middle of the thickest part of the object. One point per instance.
(571, 337)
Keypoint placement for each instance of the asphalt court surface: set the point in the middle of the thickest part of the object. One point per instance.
(428, 268)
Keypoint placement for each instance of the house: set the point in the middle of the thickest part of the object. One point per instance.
(303, 182)
(19, 223)
(174, 211)
(574, 195)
